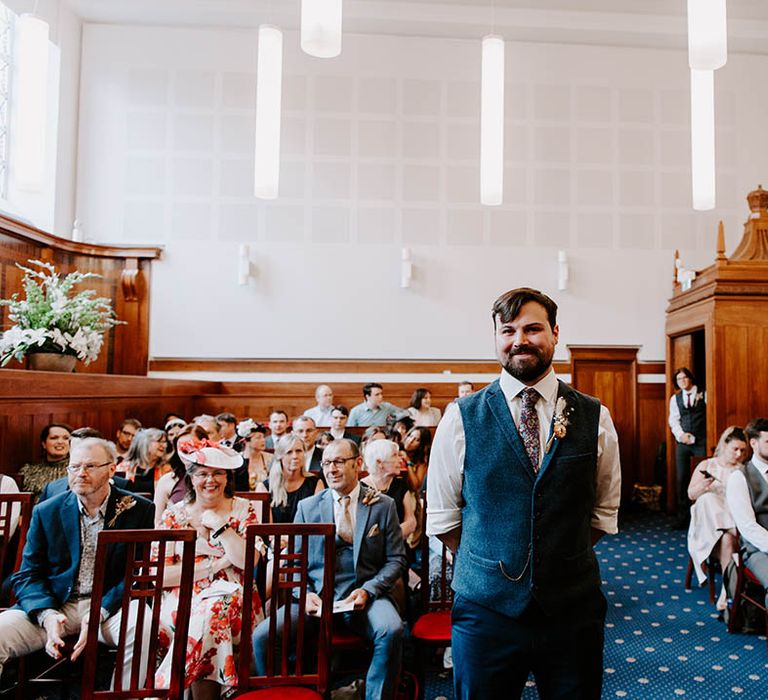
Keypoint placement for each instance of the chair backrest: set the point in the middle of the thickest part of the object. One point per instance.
(145, 554)
(262, 498)
(443, 598)
(12, 506)
(290, 585)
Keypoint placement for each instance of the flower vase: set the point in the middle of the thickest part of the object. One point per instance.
(51, 362)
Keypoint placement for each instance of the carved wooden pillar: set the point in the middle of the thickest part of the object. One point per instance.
(609, 372)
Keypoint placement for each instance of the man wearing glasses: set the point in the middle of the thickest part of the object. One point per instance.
(53, 586)
(370, 560)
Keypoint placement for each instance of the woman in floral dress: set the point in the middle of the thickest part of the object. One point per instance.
(220, 519)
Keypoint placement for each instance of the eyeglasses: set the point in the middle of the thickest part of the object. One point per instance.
(338, 462)
(216, 476)
(74, 468)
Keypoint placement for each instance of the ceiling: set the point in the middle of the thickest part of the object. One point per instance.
(653, 23)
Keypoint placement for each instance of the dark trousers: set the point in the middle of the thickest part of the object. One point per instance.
(683, 454)
(758, 565)
(493, 654)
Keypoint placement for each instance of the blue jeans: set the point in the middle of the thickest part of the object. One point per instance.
(380, 623)
(493, 654)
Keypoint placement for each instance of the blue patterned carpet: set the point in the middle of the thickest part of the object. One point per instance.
(661, 641)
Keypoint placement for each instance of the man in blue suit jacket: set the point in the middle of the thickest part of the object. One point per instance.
(370, 559)
(53, 586)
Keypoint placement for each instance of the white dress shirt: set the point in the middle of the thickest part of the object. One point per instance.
(689, 397)
(740, 505)
(446, 463)
(338, 509)
(321, 416)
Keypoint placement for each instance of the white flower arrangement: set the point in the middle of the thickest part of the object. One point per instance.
(53, 319)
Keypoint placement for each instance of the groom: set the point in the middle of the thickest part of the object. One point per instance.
(524, 478)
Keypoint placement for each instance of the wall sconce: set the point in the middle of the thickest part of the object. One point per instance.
(562, 270)
(243, 265)
(406, 268)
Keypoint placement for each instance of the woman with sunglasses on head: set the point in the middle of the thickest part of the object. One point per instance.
(255, 460)
(146, 461)
(220, 519)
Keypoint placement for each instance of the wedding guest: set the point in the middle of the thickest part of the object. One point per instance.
(209, 424)
(416, 446)
(171, 487)
(372, 433)
(54, 440)
(278, 426)
(304, 427)
(712, 529)
(374, 410)
(220, 519)
(421, 409)
(382, 461)
(173, 427)
(401, 427)
(227, 424)
(324, 439)
(256, 460)
(124, 437)
(288, 483)
(339, 417)
(321, 413)
(147, 460)
(688, 423)
(465, 389)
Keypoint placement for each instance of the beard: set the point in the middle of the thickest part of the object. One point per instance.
(528, 368)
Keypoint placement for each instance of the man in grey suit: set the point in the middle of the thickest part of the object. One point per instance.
(370, 559)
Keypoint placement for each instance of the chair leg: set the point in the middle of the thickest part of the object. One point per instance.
(711, 579)
(734, 615)
(689, 574)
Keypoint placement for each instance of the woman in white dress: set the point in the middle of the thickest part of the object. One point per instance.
(421, 409)
(712, 529)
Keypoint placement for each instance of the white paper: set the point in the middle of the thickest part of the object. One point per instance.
(220, 587)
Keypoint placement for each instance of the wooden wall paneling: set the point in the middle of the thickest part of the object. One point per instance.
(610, 374)
(652, 430)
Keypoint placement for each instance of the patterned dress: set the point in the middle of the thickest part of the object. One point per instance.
(214, 626)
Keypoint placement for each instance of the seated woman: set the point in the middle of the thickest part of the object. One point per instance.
(416, 446)
(255, 459)
(421, 409)
(373, 432)
(146, 461)
(54, 440)
(287, 483)
(712, 529)
(220, 519)
(171, 488)
(383, 462)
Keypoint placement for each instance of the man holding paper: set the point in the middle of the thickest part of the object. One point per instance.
(370, 559)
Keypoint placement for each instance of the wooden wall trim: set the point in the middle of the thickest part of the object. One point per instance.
(350, 366)
(26, 232)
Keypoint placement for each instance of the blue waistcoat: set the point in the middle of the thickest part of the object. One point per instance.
(527, 535)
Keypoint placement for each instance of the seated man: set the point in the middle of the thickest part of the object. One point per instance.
(124, 437)
(227, 424)
(53, 585)
(339, 417)
(278, 424)
(747, 497)
(305, 428)
(374, 410)
(321, 413)
(370, 559)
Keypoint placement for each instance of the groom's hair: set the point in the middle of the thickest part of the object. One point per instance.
(755, 427)
(507, 306)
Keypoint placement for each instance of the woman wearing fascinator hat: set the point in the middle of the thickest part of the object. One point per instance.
(220, 518)
(255, 460)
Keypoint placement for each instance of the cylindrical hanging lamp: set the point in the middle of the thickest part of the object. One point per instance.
(31, 96)
(321, 27)
(492, 121)
(707, 34)
(269, 81)
(703, 139)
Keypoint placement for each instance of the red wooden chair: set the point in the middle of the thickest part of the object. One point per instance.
(262, 498)
(144, 570)
(745, 580)
(433, 628)
(10, 505)
(288, 675)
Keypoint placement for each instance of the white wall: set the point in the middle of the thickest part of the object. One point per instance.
(380, 151)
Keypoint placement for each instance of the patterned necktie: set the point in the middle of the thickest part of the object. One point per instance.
(344, 528)
(529, 425)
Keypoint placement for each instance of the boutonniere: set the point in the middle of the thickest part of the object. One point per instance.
(560, 421)
(124, 504)
(370, 497)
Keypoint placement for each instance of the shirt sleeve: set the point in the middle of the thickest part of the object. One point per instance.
(608, 476)
(446, 474)
(353, 419)
(674, 418)
(740, 505)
